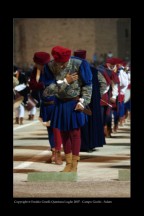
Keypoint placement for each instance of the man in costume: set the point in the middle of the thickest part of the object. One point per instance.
(109, 98)
(40, 78)
(20, 92)
(92, 133)
(73, 90)
(123, 84)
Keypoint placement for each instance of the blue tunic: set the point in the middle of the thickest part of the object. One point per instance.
(65, 117)
(46, 109)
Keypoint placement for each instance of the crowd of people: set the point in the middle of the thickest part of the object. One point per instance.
(77, 100)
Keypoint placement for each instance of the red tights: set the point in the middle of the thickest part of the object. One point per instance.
(57, 139)
(71, 141)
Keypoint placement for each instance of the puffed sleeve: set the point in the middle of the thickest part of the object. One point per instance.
(33, 84)
(86, 78)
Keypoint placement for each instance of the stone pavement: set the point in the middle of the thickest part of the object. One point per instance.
(104, 172)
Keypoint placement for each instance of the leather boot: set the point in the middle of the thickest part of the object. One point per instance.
(115, 128)
(58, 159)
(105, 130)
(21, 121)
(29, 117)
(68, 166)
(17, 120)
(53, 157)
(75, 160)
(32, 117)
(121, 122)
(109, 130)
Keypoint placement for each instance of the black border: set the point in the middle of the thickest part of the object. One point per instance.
(137, 94)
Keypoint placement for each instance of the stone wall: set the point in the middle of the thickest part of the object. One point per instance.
(92, 34)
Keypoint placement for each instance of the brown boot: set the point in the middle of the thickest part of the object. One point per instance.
(105, 130)
(75, 160)
(115, 128)
(17, 120)
(58, 159)
(121, 122)
(126, 115)
(21, 121)
(29, 117)
(109, 131)
(68, 166)
(32, 117)
(53, 157)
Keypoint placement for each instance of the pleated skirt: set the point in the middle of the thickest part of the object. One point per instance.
(65, 117)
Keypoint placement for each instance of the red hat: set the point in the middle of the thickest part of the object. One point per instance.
(80, 53)
(124, 63)
(41, 58)
(114, 61)
(61, 54)
(118, 61)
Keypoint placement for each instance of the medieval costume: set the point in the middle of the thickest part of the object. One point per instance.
(40, 78)
(73, 89)
(92, 133)
(109, 98)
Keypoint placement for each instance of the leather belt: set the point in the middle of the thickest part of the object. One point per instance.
(48, 102)
(69, 99)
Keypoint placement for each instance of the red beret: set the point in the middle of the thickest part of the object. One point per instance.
(124, 63)
(118, 61)
(61, 54)
(41, 58)
(114, 61)
(80, 53)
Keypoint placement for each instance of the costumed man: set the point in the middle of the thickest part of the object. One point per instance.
(16, 102)
(127, 100)
(40, 77)
(73, 90)
(21, 91)
(123, 79)
(109, 98)
(92, 133)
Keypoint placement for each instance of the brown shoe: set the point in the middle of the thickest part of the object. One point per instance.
(17, 120)
(21, 121)
(115, 128)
